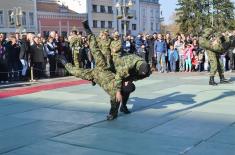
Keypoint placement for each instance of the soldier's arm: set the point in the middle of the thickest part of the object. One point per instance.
(117, 47)
(207, 45)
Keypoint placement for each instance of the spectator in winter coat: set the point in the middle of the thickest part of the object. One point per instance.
(13, 52)
(24, 51)
(160, 49)
(51, 52)
(138, 43)
(3, 60)
(188, 55)
(37, 58)
(172, 58)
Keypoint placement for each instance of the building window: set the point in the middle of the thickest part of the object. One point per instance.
(31, 19)
(110, 9)
(151, 13)
(95, 24)
(1, 17)
(157, 27)
(10, 18)
(134, 27)
(102, 9)
(24, 18)
(94, 8)
(110, 24)
(151, 26)
(102, 24)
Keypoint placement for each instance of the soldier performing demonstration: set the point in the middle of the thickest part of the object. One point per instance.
(215, 45)
(119, 84)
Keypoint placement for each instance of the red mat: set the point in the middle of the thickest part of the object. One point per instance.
(34, 89)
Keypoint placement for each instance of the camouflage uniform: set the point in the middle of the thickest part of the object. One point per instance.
(100, 74)
(104, 45)
(75, 45)
(126, 68)
(214, 51)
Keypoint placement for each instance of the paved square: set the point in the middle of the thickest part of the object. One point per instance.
(172, 114)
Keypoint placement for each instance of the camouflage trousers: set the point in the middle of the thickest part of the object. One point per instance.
(215, 63)
(100, 74)
(103, 78)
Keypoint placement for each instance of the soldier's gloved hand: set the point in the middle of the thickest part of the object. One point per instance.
(118, 97)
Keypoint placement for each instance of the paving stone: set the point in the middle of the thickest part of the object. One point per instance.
(30, 133)
(95, 107)
(226, 136)
(63, 116)
(142, 120)
(55, 148)
(195, 125)
(126, 142)
(20, 107)
(212, 149)
(8, 122)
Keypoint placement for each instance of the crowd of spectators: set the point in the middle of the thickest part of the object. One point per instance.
(179, 53)
(30, 54)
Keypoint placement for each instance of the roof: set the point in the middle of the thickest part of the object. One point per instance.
(53, 7)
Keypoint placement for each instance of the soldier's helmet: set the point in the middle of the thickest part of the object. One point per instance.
(207, 32)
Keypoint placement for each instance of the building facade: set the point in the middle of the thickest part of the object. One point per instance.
(150, 19)
(54, 16)
(27, 19)
(132, 24)
(101, 15)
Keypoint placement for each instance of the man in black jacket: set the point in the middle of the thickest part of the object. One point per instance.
(24, 51)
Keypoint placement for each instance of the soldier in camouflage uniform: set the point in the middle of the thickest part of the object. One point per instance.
(75, 42)
(100, 75)
(215, 46)
(104, 45)
(127, 68)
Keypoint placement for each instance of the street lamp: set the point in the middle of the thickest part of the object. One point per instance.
(122, 14)
(16, 18)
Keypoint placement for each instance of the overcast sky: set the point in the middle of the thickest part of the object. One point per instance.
(168, 7)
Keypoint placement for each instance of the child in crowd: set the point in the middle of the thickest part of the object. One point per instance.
(172, 58)
(188, 55)
(195, 60)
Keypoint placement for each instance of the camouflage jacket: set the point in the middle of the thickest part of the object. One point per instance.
(219, 48)
(126, 67)
(104, 45)
(75, 45)
(116, 47)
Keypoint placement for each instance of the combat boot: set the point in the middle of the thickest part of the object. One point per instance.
(223, 80)
(93, 83)
(124, 108)
(61, 59)
(113, 113)
(212, 81)
(87, 27)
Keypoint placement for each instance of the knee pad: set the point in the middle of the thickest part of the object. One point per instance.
(129, 88)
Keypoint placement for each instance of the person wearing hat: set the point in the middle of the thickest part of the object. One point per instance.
(104, 42)
(215, 44)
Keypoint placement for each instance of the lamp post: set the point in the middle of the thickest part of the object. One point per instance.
(16, 18)
(122, 13)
